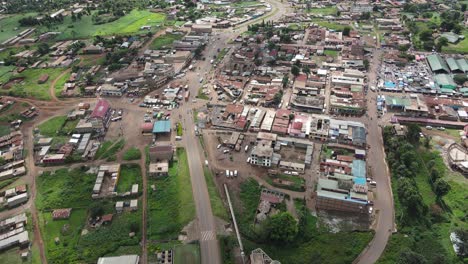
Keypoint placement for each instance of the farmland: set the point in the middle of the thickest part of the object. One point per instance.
(164, 41)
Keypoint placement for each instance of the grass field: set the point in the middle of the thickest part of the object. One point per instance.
(75, 185)
(187, 254)
(331, 10)
(329, 25)
(132, 153)
(129, 174)
(297, 185)
(29, 86)
(51, 127)
(4, 130)
(331, 53)
(10, 26)
(461, 47)
(127, 24)
(165, 41)
(59, 85)
(109, 149)
(221, 55)
(171, 206)
(216, 203)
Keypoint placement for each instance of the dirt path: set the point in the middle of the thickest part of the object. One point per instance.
(52, 86)
(144, 255)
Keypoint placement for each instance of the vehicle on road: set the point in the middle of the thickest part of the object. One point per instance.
(211, 61)
(373, 183)
(219, 146)
(287, 172)
(441, 128)
(227, 173)
(231, 174)
(206, 162)
(248, 160)
(115, 119)
(246, 148)
(428, 127)
(226, 151)
(178, 138)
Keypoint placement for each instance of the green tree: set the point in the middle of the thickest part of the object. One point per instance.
(285, 81)
(441, 42)
(306, 70)
(409, 257)
(441, 187)
(425, 35)
(366, 64)
(281, 227)
(434, 175)
(346, 31)
(43, 48)
(460, 79)
(295, 70)
(413, 133)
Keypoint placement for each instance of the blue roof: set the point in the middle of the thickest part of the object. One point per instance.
(359, 168)
(361, 181)
(162, 126)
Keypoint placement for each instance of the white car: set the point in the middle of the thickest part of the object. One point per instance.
(248, 160)
(441, 128)
(287, 172)
(219, 146)
(373, 183)
(206, 162)
(428, 127)
(226, 151)
(235, 173)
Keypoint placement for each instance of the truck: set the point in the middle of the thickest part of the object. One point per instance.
(187, 96)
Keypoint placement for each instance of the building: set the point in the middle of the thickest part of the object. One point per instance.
(101, 115)
(258, 256)
(202, 28)
(437, 64)
(159, 169)
(162, 151)
(59, 214)
(458, 158)
(20, 239)
(113, 90)
(134, 205)
(125, 259)
(17, 200)
(444, 81)
(333, 195)
(162, 127)
(262, 154)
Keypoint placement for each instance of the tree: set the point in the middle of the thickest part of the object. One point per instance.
(291, 116)
(2, 161)
(281, 227)
(425, 35)
(441, 42)
(295, 70)
(460, 79)
(96, 210)
(441, 187)
(410, 257)
(434, 175)
(285, 81)
(463, 7)
(366, 64)
(346, 31)
(43, 48)
(413, 133)
(410, 196)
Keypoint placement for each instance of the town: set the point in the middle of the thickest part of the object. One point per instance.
(157, 131)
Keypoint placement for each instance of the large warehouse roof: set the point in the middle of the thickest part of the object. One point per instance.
(162, 126)
(437, 64)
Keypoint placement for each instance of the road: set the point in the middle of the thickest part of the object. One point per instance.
(383, 205)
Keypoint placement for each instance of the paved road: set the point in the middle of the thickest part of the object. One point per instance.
(376, 158)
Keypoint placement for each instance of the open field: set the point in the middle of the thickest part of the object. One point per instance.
(78, 242)
(59, 85)
(171, 205)
(127, 24)
(109, 149)
(29, 86)
(330, 10)
(460, 47)
(329, 25)
(132, 154)
(129, 174)
(165, 41)
(10, 26)
(51, 127)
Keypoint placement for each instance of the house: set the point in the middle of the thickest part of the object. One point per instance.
(119, 206)
(134, 205)
(162, 151)
(159, 169)
(59, 214)
(50, 159)
(202, 28)
(125, 259)
(92, 49)
(262, 154)
(107, 219)
(101, 115)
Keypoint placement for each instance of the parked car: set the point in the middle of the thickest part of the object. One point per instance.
(226, 151)
(235, 173)
(428, 127)
(373, 183)
(219, 146)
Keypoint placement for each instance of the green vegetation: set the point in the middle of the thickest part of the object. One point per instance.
(461, 47)
(216, 203)
(429, 201)
(288, 182)
(331, 10)
(29, 87)
(109, 149)
(4, 130)
(187, 254)
(52, 127)
(201, 95)
(329, 25)
(221, 55)
(170, 206)
(132, 153)
(180, 130)
(59, 85)
(72, 189)
(129, 174)
(311, 245)
(6, 182)
(165, 41)
(10, 26)
(331, 53)
(227, 245)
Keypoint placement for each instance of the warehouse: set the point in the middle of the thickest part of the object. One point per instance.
(437, 64)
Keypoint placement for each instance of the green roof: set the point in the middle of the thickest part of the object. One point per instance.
(463, 65)
(437, 63)
(445, 81)
(397, 101)
(453, 65)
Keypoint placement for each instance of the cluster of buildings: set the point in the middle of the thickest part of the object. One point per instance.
(14, 196)
(13, 233)
(11, 151)
(83, 143)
